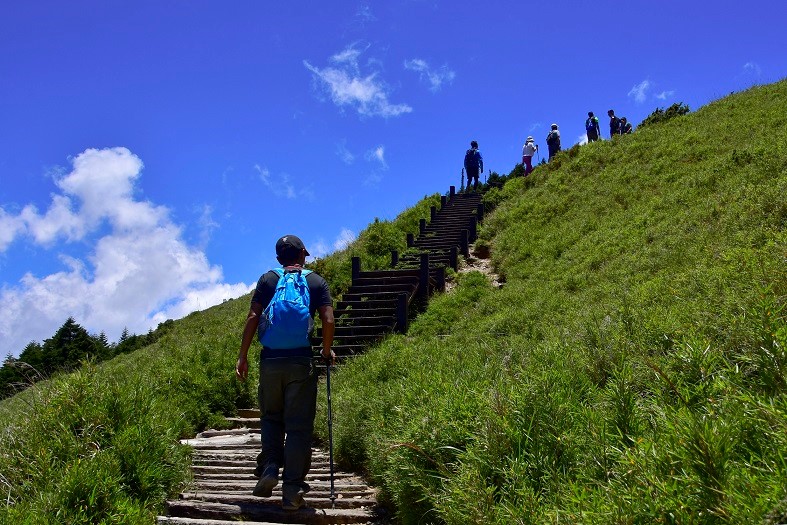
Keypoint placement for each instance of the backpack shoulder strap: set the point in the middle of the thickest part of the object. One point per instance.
(305, 272)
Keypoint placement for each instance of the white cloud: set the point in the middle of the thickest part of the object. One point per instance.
(435, 77)
(364, 15)
(282, 186)
(138, 273)
(534, 127)
(664, 95)
(348, 87)
(321, 248)
(343, 153)
(377, 154)
(582, 139)
(752, 68)
(639, 92)
(345, 238)
(10, 227)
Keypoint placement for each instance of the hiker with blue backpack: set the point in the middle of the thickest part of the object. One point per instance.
(281, 313)
(474, 163)
(592, 127)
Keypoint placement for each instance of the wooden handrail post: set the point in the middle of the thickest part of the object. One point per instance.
(432, 213)
(421, 226)
(356, 271)
(401, 313)
(394, 258)
(410, 240)
(423, 276)
(451, 192)
(479, 212)
(440, 278)
(454, 258)
(473, 234)
(464, 243)
(443, 200)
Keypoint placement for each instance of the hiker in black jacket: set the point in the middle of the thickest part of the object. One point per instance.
(553, 141)
(614, 124)
(474, 163)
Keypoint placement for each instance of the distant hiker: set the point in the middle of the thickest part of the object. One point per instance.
(282, 309)
(592, 127)
(474, 163)
(625, 126)
(614, 124)
(553, 141)
(528, 150)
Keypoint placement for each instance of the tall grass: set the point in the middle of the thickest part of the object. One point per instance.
(632, 368)
(100, 445)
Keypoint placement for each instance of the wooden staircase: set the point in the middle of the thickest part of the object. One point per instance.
(223, 470)
(376, 304)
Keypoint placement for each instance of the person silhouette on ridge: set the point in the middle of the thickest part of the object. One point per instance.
(474, 163)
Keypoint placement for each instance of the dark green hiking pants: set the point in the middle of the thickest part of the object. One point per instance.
(288, 401)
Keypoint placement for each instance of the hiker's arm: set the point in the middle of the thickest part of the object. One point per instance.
(252, 321)
(328, 324)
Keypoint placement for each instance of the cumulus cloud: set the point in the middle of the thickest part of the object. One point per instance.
(639, 92)
(348, 86)
(137, 272)
(664, 95)
(434, 77)
(582, 139)
(534, 127)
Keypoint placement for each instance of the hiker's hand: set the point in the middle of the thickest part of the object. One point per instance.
(242, 368)
(330, 359)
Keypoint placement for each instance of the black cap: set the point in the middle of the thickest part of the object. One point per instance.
(289, 245)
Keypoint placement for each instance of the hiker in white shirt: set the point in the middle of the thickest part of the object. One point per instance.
(528, 150)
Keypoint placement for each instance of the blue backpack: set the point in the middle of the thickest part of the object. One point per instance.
(286, 322)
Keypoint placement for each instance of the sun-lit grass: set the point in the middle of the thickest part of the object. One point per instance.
(632, 369)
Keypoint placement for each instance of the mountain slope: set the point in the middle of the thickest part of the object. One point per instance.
(633, 367)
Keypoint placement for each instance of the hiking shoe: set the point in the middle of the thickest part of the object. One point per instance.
(268, 480)
(292, 503)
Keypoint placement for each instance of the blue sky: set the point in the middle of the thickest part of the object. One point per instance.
(151, 153)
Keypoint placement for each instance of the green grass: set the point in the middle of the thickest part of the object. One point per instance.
(632, 369)
(101, 445)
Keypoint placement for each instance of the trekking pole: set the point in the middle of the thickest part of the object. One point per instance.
(462, 186)
(330, 429)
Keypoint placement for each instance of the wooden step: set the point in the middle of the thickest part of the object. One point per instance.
(264, 511)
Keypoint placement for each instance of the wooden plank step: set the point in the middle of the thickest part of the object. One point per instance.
(217, 475)
(244, 422)
(383, 288)
(378, 296)
(247, 469)
(378, 281)
(384, 273)
(175, 520)
(350, 313)
(367, 320)
(248, 412)
(313, 500)
(368, 303)
(264, 511)
(340, 486)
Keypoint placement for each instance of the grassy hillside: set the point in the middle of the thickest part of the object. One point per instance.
(633, 367)
(100, 445)
(631, 370)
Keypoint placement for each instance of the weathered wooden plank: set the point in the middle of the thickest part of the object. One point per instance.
(266, 512)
